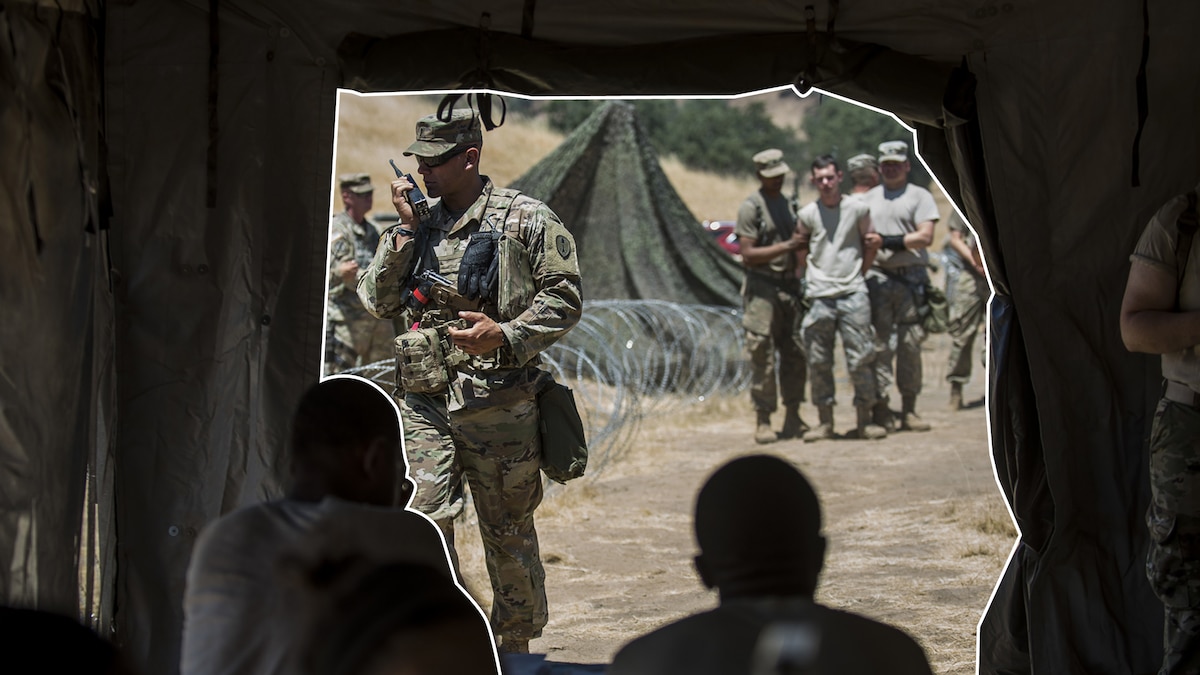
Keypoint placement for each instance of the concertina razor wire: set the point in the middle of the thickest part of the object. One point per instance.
(630, 359)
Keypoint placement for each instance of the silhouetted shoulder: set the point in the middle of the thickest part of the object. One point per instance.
(724, 640)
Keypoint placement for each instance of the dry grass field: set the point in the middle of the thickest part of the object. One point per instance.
(374, 129)
(918, 532)
(917, 529)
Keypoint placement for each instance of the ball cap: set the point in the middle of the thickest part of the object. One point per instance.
(858, 162)
(893, 151)
(770, 163)
(358, 183)
(436, 137)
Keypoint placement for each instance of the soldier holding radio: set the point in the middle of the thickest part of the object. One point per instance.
(468, 380)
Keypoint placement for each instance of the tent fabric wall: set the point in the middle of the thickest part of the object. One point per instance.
(56, 339)
(215, 322)
(220, 304)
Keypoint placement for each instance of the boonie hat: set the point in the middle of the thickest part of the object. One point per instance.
(770, 163)
(435, 137)
(358, 183)
(893, 151)
(863, 161)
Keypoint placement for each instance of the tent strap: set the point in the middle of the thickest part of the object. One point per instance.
(1143, 95)
(214, 45)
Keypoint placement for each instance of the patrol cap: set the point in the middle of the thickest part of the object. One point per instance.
(770, 163)
(859, 162)
(358, 183)
(893, 151)
(435, 137)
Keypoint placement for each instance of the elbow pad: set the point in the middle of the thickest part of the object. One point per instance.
(894, 242)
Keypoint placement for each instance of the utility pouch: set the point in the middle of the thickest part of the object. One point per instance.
(421, 364)
(516, 288)
(564, 446)
(935, 315)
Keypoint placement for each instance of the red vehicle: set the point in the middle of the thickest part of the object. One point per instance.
(722, 233)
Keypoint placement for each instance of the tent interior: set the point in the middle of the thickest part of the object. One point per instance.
(165, 200)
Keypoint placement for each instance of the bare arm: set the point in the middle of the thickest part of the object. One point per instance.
(754, 255)
(921, 237)
(970, 255)
(871, 241)
(1149, 323)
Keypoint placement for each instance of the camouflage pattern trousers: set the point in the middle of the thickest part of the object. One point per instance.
(898, 331)
(966, 314)
(850, 316)
(1173, 518)
(357, 342)
(772, 324)
(498, 450)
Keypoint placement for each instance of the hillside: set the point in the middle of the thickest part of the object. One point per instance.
(373, 129)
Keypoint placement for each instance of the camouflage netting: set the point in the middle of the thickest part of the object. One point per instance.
(636, 237)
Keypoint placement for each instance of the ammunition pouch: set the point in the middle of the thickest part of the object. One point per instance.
(425, 359)
(515, 287)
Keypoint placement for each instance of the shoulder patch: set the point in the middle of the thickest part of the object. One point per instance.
(563, 245)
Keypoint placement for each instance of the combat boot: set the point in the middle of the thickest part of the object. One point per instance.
(793, 426)
(762, 431)
(867, 429)
(510, 645)
(909, 420)
(881, 415)
(824, 429)
(956, 402)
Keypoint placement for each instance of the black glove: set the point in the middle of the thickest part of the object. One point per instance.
(480, 266)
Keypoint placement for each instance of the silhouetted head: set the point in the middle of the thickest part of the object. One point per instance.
(346, 443)
(35, 641)
(758, 525)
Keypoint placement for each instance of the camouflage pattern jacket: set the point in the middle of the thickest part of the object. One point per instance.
(349, 241)
(538, 299)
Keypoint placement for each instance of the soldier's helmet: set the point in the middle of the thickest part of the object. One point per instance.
(893, 151)
(439, 140)
(769, 163)
(358, 183)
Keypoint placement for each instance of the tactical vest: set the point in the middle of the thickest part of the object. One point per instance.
(426, 360)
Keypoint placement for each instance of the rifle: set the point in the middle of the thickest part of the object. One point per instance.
(444, 293)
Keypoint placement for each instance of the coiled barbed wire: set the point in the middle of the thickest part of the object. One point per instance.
(629, 359)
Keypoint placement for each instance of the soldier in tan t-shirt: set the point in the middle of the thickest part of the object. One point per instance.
(771, 249)
(904, 216)
(1160, 314)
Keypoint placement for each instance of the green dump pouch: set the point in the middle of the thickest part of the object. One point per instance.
(564, 447)
(935, 315)
(421, 366)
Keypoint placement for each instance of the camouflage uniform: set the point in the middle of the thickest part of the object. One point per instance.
(967, 294)
(484, 425)
(352, 336)
(1173, 517)
(772, 309)
(896, 284)
(839, 300)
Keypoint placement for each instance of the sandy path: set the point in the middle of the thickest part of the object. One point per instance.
(917, 531)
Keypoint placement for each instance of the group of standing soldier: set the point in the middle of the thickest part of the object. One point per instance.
(854, 265)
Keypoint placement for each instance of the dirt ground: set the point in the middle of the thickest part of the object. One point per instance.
(917, 530)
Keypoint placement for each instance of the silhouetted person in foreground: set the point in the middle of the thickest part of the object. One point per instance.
(241, 611)
(35, 642)
(390, 619)
(758, 526)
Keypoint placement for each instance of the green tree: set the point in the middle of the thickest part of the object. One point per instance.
(707, 135)
(846, 129)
